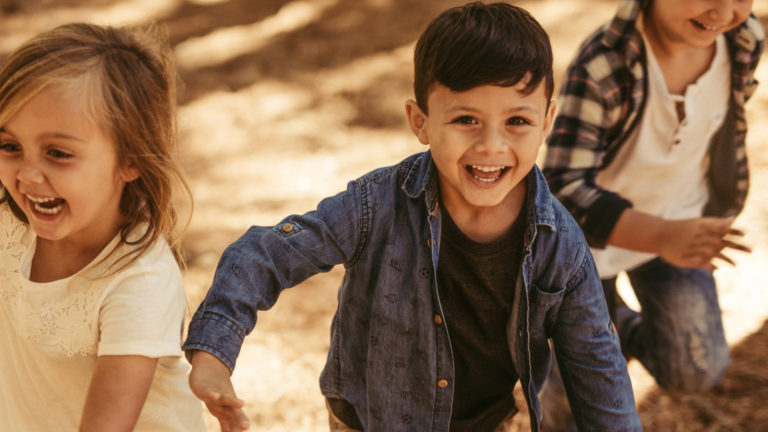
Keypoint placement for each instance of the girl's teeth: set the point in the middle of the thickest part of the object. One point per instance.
(50, 211)
(39, 200)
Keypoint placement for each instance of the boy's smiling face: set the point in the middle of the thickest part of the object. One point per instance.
(484, 141)
(698, 22)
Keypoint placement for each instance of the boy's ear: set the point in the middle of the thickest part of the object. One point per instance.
(417, 120)
(549, 120)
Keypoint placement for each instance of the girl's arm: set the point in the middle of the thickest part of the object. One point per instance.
(118, 389)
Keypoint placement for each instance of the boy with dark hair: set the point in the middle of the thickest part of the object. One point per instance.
(648, 155)
(459, 263)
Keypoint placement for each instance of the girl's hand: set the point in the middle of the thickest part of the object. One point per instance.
(209, 381)
(119, 387)
(696, 242)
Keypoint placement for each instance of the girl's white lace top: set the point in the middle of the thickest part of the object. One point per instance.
(51, 335)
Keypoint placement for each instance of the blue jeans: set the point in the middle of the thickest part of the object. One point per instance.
(678, 336)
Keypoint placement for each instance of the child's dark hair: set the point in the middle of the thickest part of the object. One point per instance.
(478, 44)
(127, 79)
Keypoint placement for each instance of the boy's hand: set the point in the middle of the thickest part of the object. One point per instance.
(683, 243)
(209, 381)
(696, 242)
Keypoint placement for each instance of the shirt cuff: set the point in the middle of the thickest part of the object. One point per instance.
(601, 218)
(217, 335)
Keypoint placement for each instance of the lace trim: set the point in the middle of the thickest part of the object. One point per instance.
(67, 324)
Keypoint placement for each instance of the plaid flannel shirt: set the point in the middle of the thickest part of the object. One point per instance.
(601, 103)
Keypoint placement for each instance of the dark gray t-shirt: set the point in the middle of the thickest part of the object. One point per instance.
(476, 284)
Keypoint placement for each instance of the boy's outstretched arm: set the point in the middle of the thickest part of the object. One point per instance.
(250, 276)
(210, 382)
(588, 353)
(683, 243)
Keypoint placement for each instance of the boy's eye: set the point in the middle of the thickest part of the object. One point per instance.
(58, 154)
(465, 120)
(516, 121)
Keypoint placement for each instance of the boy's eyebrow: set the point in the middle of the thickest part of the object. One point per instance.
(516, 109)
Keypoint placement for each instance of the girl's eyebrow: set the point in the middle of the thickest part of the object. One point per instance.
(59, 135)
(48, 135)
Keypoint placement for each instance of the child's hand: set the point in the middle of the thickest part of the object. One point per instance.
(696, 242)
(209, 381)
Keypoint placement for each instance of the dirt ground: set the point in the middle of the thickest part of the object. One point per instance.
(285, 101)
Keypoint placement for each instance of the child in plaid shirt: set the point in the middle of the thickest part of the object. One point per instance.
(648, 155)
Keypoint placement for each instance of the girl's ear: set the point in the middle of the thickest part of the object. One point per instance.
(130, 173)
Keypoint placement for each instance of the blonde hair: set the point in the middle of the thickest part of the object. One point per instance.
(128, 80)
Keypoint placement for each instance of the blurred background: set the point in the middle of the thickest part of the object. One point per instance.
(285, 101)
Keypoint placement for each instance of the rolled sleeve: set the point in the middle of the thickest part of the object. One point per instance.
(215, 334)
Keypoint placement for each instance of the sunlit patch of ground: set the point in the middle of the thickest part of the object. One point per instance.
(286, 101)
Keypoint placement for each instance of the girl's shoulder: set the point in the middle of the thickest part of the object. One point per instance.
(142, 309)
(155, 270)
(13, 231)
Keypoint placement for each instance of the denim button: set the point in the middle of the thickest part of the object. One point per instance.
(438, 319)
(287, 228)
(442, 383)
(429, 243)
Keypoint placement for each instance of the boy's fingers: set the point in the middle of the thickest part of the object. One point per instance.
(242, 420)
(736, 246)
(230, 401)
(725, 258)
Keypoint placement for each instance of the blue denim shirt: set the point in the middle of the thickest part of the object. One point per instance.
(390, 356)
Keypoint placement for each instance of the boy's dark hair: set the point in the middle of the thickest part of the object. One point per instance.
(478, 44)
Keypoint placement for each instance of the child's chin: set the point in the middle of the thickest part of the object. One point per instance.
(486, 199)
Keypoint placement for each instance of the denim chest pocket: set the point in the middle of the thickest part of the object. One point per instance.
(287, 229)
(543, 311)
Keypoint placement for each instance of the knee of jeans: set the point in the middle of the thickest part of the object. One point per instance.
(698, 368)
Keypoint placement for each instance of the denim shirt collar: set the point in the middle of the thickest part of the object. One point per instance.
(422, 179)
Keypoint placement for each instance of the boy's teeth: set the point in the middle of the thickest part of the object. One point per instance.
(704, 26)
(490, 180)
(497, 170)
(487, 168)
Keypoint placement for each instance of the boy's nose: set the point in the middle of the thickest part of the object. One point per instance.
(493, 141)
(722, 10)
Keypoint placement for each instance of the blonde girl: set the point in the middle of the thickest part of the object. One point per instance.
(91, 296)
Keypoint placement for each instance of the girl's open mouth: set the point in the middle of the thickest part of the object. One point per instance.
(46, 206)
(486, 173)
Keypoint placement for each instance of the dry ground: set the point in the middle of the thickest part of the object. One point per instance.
(285, 101)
